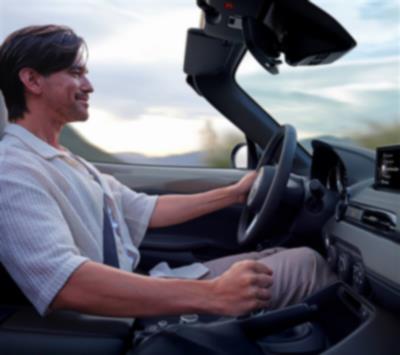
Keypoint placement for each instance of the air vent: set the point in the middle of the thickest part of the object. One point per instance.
(381, 222)
(379, 219)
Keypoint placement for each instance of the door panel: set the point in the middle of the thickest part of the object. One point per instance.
(167, 179)
(202, 239)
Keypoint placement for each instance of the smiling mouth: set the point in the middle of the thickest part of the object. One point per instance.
(84, 102)
(83, 99)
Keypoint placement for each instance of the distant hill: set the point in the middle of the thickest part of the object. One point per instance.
(72, 140)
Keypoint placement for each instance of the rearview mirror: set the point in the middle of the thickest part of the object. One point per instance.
(304, 33)
(298, 29)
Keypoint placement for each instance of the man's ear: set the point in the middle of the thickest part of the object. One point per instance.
(31, 80)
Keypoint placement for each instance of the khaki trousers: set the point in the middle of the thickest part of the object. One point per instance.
(297, 272)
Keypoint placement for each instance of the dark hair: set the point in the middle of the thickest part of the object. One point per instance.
(46, 49)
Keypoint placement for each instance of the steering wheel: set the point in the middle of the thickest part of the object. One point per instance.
(269, 186)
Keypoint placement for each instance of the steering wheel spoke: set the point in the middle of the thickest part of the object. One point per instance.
(269, 187)
(253, 223)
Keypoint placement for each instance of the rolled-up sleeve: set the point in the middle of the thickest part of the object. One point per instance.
(36, 245)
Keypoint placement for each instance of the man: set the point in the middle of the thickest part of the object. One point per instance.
(55, 208)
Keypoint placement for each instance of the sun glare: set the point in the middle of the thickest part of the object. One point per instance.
(152, 135)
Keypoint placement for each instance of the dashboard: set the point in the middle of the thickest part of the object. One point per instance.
(328, 168)
(362, 238)
(336, 179)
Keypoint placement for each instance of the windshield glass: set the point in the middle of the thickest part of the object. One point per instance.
(355, 100)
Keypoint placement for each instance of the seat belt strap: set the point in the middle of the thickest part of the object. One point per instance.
(109, 248)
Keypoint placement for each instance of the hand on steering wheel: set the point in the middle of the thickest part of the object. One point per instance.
(269, 186)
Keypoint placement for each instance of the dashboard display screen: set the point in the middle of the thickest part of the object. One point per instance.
(388, 168)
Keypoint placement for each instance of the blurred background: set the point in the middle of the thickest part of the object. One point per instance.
(142, 110)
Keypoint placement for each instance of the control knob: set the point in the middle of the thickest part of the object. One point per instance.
(315, 202)
(317, 190)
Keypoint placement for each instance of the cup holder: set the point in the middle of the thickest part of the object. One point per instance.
(306, 338)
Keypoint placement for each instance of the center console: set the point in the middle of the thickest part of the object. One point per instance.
(334, 321)
(363, 240)
(358, 315)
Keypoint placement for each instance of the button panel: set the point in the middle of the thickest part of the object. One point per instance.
(347, 263)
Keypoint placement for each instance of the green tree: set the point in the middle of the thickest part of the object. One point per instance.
(379, 135)
(218, 147)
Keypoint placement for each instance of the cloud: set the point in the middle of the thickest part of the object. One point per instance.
(385, 11)
(330, 99)
(156, 39)
(116, 30)
(374, 24)
(131, 91)
(76, 14)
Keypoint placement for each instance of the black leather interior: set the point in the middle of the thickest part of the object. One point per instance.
(24, 331)
(10, 293)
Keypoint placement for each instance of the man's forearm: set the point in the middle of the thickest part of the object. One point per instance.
(175, 209)
(98, 289)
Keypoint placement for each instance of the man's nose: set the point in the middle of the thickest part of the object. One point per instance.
(87, 85)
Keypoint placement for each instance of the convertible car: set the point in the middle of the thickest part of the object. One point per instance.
(340, 199)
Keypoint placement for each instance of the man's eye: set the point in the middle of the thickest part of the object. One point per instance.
(76, 72)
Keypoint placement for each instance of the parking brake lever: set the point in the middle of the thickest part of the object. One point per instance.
(279, 320)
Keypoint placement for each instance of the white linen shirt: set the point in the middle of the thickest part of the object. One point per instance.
(51, 215)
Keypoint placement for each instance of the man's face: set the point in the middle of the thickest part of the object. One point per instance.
(66, 94)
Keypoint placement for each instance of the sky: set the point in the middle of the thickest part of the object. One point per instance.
(142, 103)
(347, 96)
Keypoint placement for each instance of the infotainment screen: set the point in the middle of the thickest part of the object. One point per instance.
(387, 175)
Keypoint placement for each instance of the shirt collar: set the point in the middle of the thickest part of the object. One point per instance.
(36, 144)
